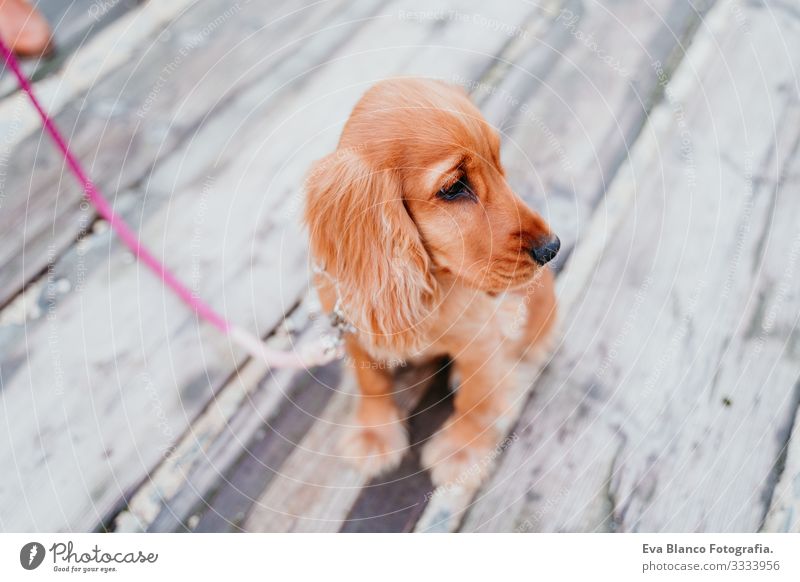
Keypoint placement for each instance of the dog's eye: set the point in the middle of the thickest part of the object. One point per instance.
(458, 189)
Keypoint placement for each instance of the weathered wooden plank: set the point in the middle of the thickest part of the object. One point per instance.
(265, 183)
(250, 477)
(73, 24)
(783, 514)
(578, 101)
(181, 76)
(421, 492)
(132, 359)
(414, 22)
(290, 503)
(315, 487)
(261, 459)
(778, 301)
(394, 502)
(381, 69)
(120, 373)
(662, 410)
(77, 21)
(570, 107)
(191, 469)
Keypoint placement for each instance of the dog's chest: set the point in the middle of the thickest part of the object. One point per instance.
(466, 317)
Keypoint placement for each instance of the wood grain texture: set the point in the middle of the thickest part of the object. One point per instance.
(570, 110)
(340, 101)
(72, 70)
(261, 460)
(395, 501)
(148, 341)
(97, 327)
(304, 499)
(315, 488)
(668, 405)
(777, 325)
(172, 490)
(673, 401)
(183, 76)
(581, 98)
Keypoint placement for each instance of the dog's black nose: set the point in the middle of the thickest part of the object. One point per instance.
(546, 252)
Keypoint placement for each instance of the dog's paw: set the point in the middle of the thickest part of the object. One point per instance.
(454, 458)
(376, 448)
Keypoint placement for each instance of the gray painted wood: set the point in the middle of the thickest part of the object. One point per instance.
(225, 508)
(578, 108)
(395, 501)
(185, 76)
(777, 325)
(213, 442)
(315, 488)
(73, 24)
(141, 371)
(314, 491)
(113, 335)
(670, 400)
(572, 104)
(342, 101)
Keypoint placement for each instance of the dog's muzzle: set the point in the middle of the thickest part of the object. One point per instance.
(546, 252)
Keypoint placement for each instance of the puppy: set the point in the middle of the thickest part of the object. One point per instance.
(423, 249)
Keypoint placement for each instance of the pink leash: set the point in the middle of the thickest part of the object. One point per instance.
(313, 355)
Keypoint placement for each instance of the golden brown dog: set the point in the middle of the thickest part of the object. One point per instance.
(427, 251)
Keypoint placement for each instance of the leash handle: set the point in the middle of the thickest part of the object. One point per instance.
(316, 354)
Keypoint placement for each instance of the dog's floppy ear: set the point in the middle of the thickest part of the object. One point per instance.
(363, 236)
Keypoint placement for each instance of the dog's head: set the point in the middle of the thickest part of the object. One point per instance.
(415, 193)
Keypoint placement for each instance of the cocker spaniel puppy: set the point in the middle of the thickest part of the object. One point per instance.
(424, 249)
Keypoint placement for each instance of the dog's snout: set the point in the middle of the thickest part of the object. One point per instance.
(546, 252)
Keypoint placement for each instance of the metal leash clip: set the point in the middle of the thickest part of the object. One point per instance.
(333, 343)
(332, 340)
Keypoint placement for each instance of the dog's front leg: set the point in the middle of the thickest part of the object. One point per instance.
(463, 450)
(377, 439)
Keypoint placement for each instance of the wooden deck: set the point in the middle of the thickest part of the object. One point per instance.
(661, 140)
